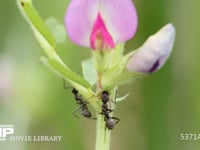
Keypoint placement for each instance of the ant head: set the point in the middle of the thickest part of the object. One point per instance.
(74, 91)
(105, 93)
(105, 97)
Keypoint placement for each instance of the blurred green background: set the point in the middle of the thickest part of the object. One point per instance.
(159, 108)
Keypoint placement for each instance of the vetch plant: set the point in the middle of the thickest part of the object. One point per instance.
(103, 26)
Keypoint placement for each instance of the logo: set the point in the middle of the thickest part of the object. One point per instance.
(6, 130)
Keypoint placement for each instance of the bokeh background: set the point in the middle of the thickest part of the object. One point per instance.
(159, 108)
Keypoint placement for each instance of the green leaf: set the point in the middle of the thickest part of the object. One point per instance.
(118, 74)
(47, 42)
(118, 53)
(75, 80)
(35, 20)
(106, 59)
(64, 72)
(89, 71)
(57, 29)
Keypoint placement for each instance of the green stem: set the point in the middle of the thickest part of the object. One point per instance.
(103, 135)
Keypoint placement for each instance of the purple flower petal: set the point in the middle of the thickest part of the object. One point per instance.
(120, 17)
(118, 21)
(79, 20)
(154, 52)
(155, 66)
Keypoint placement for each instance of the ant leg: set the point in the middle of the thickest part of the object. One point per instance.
(74, 112)
(117, 119)
(65, 86)
(108, 110)
(84, 112)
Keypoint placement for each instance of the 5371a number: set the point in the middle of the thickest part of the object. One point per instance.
(189, 136)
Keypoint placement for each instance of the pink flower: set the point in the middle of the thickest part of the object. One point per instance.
(152, 55)
(100, 24)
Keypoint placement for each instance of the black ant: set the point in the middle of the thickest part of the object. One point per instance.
(110, 121)
(83, 104)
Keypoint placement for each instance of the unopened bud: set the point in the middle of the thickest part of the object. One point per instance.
(154, 52)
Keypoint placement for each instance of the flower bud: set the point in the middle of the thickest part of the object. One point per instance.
(154, 52)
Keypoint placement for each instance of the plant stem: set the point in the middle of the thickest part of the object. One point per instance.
(103, 135)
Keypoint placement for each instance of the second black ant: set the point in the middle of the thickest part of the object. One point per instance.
(110, 121)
